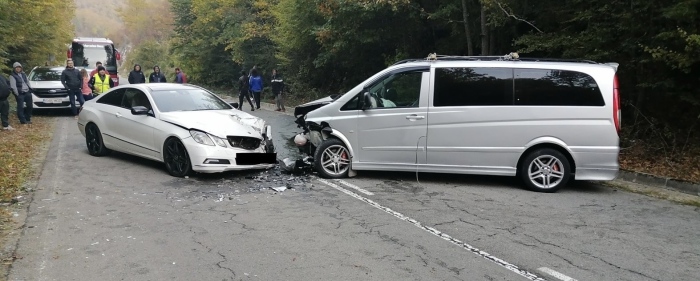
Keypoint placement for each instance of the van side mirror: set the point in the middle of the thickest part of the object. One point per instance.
(366, 101)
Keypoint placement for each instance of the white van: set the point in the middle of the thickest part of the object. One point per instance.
(544, 120)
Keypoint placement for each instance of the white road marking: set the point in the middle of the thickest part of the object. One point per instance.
(355, 187)
(438, 233)
(556, 274)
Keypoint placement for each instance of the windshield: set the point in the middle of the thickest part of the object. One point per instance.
(86, 55)
(187, 100)
(45, 75)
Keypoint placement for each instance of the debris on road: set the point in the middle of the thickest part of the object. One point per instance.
(300, 166)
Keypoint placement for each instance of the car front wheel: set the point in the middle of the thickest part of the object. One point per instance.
(176, 158)
(545, 170)
(332, 159)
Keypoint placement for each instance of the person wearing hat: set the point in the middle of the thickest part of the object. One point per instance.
(23, 94)
(101, 82)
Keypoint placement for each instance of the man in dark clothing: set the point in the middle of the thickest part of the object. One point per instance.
(23, 94)
(94, 71)
(136, 76)
(157, 76)
(244, 91)
(277, 89)
(73, 82)
(4, 104)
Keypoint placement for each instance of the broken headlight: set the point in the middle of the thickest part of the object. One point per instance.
(207, 139)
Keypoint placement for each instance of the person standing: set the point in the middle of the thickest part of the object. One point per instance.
(101, 82)
(136, 76)
(277, 90)
(71, 80)
(4, 103)
(94, 71)
(180, 76)
(87, 92)
(23, 94)
(157, 76)
(244, 91)
(256, 86)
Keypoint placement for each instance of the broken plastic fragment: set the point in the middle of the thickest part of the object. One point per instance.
(279, 189)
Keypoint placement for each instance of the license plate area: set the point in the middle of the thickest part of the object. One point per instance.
(53, 101)
(255, 158)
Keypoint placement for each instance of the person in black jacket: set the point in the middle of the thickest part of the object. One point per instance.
(73, 82)
(156, 76)
(277, 90)
(244, 91)
(4, 104)
(136, 76)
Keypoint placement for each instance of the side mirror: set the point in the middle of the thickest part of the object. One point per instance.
(139, 110)
(366, 101)
(234, 104)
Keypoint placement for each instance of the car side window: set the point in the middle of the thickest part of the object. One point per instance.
(113, 98)
(399, 90)
(353, 104)
(549, 87)
(135, 97)
(478, 86)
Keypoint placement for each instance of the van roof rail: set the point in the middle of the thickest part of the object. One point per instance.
(508, 57)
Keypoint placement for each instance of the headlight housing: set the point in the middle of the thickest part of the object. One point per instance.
(207, 139)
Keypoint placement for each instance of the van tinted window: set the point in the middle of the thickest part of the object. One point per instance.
(473, 86)
(547, 87)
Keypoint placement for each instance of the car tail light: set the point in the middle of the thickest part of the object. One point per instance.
(617, 112)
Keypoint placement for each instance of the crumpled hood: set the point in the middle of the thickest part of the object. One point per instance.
(220, 123)
(46, 85)
(303, 109)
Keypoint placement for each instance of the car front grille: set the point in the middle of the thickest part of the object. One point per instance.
(50, 93)
(248, 143)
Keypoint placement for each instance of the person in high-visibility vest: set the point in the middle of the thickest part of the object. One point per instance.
(101, 82)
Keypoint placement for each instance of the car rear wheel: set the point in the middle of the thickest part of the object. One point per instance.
(545, 170)
(93, 140)
(176, 158)
(332, 159)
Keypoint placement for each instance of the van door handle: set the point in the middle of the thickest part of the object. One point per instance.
(414, 117)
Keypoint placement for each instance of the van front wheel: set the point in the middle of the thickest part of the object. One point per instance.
(545, 170)
(332, 159)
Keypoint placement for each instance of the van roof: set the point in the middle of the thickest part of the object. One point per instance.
(509, 58)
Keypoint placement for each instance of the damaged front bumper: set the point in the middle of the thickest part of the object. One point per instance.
(216, 159)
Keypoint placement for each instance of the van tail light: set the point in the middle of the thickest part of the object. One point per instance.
(617, 113)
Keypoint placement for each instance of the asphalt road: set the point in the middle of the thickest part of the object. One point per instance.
(123, 218)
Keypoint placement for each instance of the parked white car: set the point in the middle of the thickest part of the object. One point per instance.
(48, 92)
(185, 126)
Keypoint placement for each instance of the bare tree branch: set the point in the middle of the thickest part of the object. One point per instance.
(515, 17)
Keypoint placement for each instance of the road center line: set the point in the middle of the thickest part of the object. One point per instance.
(438, 233)
(556, 274)
(355, 187)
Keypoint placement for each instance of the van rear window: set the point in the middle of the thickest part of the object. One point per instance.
(547, 87)
(520, 87)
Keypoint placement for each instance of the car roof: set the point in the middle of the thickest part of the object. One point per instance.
(55, 68)
(162, 86)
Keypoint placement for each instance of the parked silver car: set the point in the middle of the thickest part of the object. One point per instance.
(544, 120)
(48, 90)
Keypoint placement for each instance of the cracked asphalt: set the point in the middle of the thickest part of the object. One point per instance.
(124, 218)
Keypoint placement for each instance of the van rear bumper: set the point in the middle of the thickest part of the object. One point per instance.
(596, 166)
(595, 174)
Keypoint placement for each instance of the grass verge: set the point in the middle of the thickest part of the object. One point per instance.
(19, 153)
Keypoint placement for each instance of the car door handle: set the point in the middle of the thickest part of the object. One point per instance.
(118, 115)
(414, 117)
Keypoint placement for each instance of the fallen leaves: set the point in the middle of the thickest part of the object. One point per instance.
(682, 166)
(18, 150)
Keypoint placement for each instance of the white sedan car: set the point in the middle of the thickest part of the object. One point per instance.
(185, 126)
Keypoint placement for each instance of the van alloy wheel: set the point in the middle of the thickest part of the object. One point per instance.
(332, 159)
(545, 170)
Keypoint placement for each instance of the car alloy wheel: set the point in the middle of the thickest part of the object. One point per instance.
(176, 158)
(93, 140)
(332, 159)
(545, 170)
